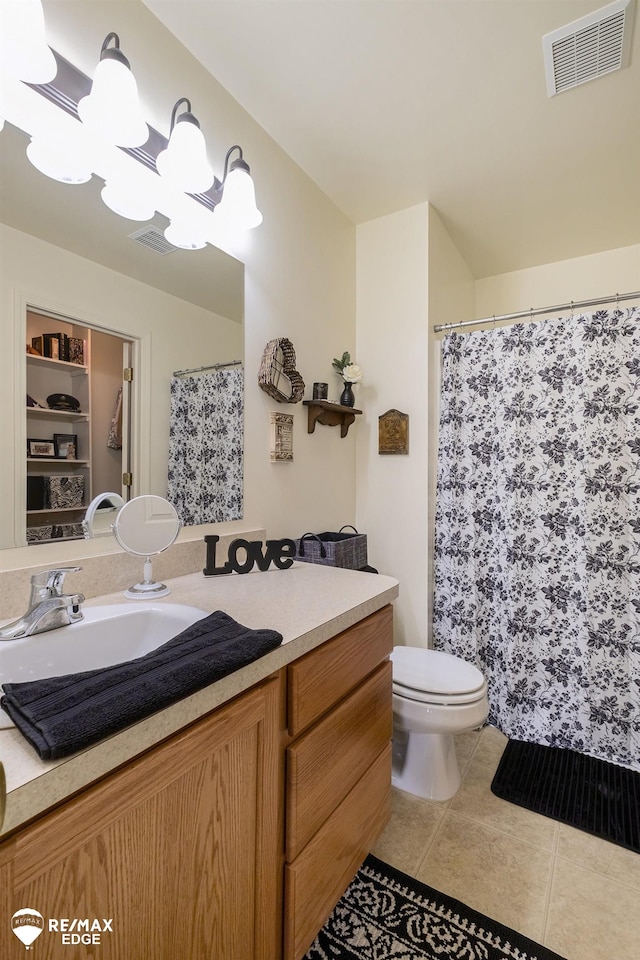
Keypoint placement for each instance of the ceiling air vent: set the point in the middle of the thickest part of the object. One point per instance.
(588, 48)
(153, 238)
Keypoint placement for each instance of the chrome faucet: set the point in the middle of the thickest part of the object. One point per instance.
(49, 607)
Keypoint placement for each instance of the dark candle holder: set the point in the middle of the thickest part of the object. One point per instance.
(320, 391)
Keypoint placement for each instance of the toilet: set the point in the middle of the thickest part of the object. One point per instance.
(435, 697)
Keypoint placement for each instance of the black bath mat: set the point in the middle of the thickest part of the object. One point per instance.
(593, 795)
(386, 915)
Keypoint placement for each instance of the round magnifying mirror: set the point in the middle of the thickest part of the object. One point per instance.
(101, 514)
(144, 527)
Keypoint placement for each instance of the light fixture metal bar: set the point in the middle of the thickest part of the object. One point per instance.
(67, 89)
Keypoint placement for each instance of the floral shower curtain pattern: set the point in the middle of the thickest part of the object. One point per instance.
(537, 551)
(206, 446)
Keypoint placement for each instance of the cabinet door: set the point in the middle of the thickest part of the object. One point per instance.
(181, 850)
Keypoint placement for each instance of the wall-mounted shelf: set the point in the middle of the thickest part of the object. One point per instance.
(330, 414)
(43, 413)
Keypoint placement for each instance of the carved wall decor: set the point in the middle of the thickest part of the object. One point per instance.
(393, 432)
(281, 445)
(278, 375)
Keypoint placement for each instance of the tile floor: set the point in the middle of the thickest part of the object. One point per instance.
(564, 888)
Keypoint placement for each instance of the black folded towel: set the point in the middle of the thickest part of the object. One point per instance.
(61, 715)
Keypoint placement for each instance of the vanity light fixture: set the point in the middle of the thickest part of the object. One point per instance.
(23, 48)
(184, 162)
(187, 235)
(59, 160)
(126, 201)
(80, 128)
(112, 108)
(238, 204)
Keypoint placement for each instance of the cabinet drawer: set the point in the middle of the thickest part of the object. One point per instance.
(329, 759)
(323, 677)
(316, 879)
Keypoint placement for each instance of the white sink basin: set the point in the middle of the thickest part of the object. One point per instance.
(106, 636)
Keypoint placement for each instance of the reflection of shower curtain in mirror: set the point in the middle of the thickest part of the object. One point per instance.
(537, 557)
(206, 446)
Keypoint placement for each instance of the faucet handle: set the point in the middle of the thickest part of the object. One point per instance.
(48, 583)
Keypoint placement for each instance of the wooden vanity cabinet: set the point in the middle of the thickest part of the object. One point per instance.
(235, 838)
(181, 848)
(338, 770)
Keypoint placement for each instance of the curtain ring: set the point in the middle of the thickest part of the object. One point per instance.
(572, 309)
(617, 301)
(494, 321)
(530, 314)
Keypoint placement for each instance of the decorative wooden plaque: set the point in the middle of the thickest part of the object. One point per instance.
(393, 432)
(281, 437)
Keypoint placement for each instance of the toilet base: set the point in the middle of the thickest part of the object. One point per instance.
(425, 764)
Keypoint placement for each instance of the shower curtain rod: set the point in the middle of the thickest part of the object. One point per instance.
(438, 327)
(211, 366)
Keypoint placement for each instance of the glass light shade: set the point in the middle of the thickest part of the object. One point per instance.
(112, 108)
(186, 234)
(23, 48)
(238, 204)
(59, 160)
(184, 162)
(127, 201)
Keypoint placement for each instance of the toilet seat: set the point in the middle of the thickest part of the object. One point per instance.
(432, 676)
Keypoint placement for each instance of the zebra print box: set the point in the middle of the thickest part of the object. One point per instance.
(65, 491)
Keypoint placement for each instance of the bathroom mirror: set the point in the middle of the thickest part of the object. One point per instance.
(101, 515)
(145, 527)
(181, 309)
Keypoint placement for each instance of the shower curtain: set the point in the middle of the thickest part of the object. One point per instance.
(206, 446)
(537, 545)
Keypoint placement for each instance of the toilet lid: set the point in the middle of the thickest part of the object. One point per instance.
(419, 673)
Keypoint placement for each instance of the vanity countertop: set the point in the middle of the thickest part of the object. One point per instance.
(308, 604)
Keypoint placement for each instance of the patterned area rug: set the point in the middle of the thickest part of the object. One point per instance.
(386, 915)
(592, 795)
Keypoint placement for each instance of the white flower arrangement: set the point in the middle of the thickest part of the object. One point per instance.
(350, 372)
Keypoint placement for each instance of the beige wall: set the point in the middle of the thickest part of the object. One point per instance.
(409, 276)
(584, 278)
(392, 318)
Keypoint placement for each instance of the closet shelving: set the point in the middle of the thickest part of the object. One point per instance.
(46, 376)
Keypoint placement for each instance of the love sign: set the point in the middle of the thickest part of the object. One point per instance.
(278, 552)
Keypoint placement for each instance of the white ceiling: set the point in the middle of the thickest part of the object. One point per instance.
(389, 103)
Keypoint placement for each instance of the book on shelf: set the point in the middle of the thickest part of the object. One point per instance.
(59, 346)
(76, 350)
(51, 343)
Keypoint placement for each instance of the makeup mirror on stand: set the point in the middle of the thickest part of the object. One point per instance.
(101, 515)
(145, 527)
